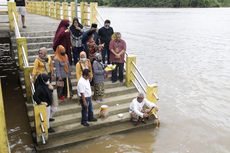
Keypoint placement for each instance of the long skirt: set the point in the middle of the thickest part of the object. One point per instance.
(98, 91)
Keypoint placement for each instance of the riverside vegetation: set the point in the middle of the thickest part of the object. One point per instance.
(164, 3)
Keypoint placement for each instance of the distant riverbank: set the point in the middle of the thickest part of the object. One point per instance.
(165, 3)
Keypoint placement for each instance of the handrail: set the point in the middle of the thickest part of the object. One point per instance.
(24, 58)
(17, 33)
(139, 73)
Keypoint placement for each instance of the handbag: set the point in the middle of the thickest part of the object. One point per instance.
(60, 83)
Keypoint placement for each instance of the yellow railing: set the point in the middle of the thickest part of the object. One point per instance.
(39, 110)
(64, 10)
(3, 131)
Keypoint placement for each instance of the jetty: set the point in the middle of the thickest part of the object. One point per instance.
(42, 20)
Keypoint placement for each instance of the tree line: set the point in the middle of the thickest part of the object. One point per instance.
(163, 3)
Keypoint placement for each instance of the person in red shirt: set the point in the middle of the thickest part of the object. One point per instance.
(117, 48)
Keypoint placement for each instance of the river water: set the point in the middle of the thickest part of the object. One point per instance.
(187, 51)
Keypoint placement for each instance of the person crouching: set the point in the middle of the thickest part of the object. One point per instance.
(137, 111)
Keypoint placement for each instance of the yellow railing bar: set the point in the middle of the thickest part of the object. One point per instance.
(3, 131)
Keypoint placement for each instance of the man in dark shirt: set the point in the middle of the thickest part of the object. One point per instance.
(22, 10)
(105, 33)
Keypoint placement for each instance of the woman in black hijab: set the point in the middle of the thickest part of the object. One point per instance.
(43, 95)
(76, 39)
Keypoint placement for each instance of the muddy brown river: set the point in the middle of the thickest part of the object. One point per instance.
(187, 51)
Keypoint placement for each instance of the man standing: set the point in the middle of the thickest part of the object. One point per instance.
(84, 92)
(22, 10)
(105, 33)
(117, 56)
(137, 111)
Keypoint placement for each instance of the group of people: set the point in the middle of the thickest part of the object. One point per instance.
(91, 50)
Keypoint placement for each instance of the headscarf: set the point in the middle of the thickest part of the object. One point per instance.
(41, 82)
(98, 56)
(84, 64)
(61, 28)
(73, 29)
(61, 58)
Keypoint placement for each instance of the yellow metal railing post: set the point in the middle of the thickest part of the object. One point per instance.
(37, 110)
(57, 7)
(151, 94)
(46, 8)
(52, 10)
(27, 71)
(12, 8)
(93, 12)
(65, 10)
(130, 70)
(73, 12)
(21, 42)
(84, 15)
(3, 131)
(34, 7)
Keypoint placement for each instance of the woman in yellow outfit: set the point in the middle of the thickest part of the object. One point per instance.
(43, 64)
(82, 64)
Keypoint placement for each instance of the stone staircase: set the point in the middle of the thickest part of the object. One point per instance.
(67, 125)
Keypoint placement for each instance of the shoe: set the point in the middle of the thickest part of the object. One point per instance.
(24, 27)
(51, 130)
(135, 123)
(98, 101)
(93, 120)
(85, 124)
(114, 81)
(51, 119)
(62, 98)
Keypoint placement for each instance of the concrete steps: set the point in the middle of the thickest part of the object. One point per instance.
(102, 127)
(73, 106)
(67, 125)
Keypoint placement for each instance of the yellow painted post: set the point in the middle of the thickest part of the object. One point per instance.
(3, 131)
(34, 7)
(93, 12)
(65, 10)
(40, 8)
(21, 42)
(46, 8)
(84, 15)
(129, 69)
(151, 94)
(12, 8)
(52, 14)
(27, 71)
(37, 110)
(57, 7)
(73, 10)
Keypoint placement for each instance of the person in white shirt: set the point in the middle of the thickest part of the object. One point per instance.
(84, 92)
(137, 111)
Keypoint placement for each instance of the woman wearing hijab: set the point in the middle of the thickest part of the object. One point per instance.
(76, 39)
(43, 95)
(43, 64)
(62, 37)
(62, 72)
(98, 78)
(82, 64)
